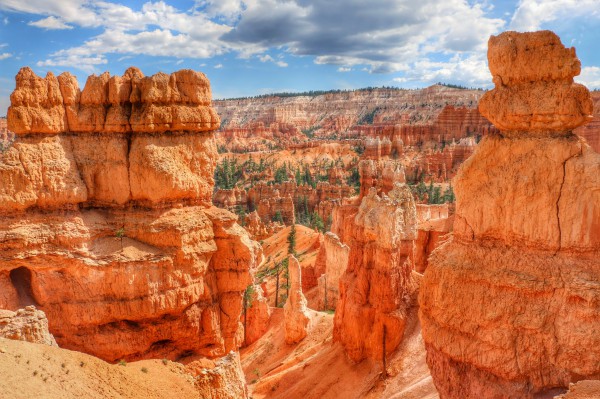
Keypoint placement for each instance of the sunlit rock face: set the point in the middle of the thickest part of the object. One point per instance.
(107, 222)
(509, 305)
(377, 287)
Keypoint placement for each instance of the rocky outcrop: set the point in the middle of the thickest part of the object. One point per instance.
(27, 324)
(297, 317)
(434, 223)
(378, 286)
(330, 265)
(259, 230)
(586, 389)
(508, 303)
(222, 379)
(107, 223)
(591, 130)
(258, 314)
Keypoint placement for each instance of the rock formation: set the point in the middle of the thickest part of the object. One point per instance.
(258, 314)
(509, 304)
(259, 230)
(297, 317)
(27, 324)
(586, 389)
(591, 131)
(222, 379)
(378, 286)
(330, 265)
(106, 216)
(434, 225)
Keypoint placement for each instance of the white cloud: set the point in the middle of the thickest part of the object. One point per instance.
(4, 56)
(179, 62)
(79, 12)
(5, 21)
(530, 15)
(218, 66)
(387, 35)
(383, 36)
(590, 76)
(51, 23)
(265, 58)
(470, 71)
(344, 69)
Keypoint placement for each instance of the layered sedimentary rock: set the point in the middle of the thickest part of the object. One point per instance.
(510, 303)
(330, 265)
(591, 130)
(434, 223)
(586, 389)
(378, 286)
(107, 223)
(297, 317)
(222, 379)
(259, 230)
(433, 114)
(28, 324)
(258, 314)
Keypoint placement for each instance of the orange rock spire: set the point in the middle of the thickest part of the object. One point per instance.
(509, 305)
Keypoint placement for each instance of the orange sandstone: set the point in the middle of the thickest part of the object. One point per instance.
(509, 304)
(107, 223)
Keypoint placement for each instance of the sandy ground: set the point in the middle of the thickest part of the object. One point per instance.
(318, 368)
(30, 370)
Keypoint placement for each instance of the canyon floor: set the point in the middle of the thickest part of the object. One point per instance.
(318, 368)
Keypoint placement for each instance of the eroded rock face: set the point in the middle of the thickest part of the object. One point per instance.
(297, 317)
(222, 379)
(330, 265)
(377, 287)
(27, 324)
(257, 316)
(508, 303)
(107, 223)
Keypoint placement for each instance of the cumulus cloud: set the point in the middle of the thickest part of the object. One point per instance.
(4, 56)
(51, 23)
(530, 15)
(268, 58)
(381, 33)
(590, 76)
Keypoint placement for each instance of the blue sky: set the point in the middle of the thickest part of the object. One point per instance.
(249, 47)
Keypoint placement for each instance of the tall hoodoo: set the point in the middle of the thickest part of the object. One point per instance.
(106, 220)
(297, 316)
(509, 306)
(377, 287)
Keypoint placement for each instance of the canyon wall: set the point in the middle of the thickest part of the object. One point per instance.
(509, 305)
(106, 219)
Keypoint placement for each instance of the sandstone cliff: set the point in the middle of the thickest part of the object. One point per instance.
(107, 223)
(508, 305)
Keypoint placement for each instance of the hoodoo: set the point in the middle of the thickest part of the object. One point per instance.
(509, 305)
(377, 287)
(107, 223)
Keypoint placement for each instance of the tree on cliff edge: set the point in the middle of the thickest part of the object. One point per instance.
(291, 240)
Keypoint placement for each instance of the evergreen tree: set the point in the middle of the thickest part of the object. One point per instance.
(278, 217)
(291, 240)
